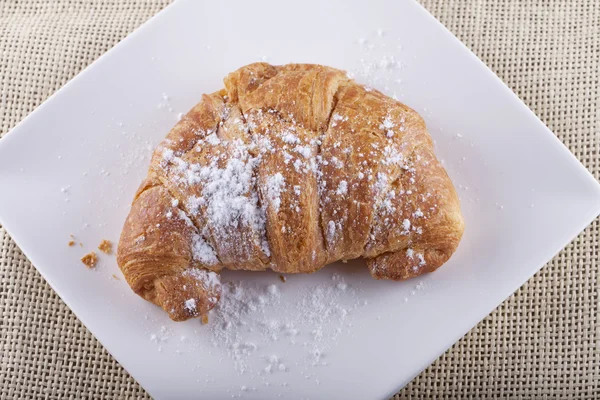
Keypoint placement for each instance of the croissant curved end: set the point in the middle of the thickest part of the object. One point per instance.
(410, 262)
(156, 256)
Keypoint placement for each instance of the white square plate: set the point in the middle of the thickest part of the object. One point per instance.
(73, 165)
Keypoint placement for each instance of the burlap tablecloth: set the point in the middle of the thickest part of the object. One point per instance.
(543, 342)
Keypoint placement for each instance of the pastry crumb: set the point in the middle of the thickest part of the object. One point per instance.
(116, 277)
(90, 259)
(282, 278)
(204, 319)
(105, 246)
(71, 243)
(80, 244)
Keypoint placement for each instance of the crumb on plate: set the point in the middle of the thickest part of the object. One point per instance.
(116, 277)
(90, 259)
(105, 246)
(204, 319)
(71, 243)
(282, 278)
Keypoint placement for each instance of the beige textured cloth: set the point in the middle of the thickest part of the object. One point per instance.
(543, 342)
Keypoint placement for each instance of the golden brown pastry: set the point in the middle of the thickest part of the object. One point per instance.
(288, 168)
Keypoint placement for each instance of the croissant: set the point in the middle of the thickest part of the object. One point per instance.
(288, 168)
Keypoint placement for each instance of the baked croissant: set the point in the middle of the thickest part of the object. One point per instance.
(288, 168)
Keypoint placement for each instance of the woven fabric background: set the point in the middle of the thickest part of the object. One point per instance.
(543, 342)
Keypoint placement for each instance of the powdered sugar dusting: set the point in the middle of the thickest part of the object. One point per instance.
(243, 323)
(254, 322)
(380, 64)
(406, 225)
(270, 334)
(227, 201)
(387, 126)
(208, 279)
(330, 231)
(190, 305)
(342, 188)
(275, 185)
(202, 251)
(305, 151)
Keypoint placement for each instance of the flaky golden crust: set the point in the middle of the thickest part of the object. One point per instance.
(288, 168)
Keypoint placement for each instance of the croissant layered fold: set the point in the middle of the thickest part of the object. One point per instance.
(288, 168)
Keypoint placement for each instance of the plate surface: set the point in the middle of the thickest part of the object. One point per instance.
(74, 164)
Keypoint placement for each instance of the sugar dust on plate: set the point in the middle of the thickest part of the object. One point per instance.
(379, 66)
(250, 318)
